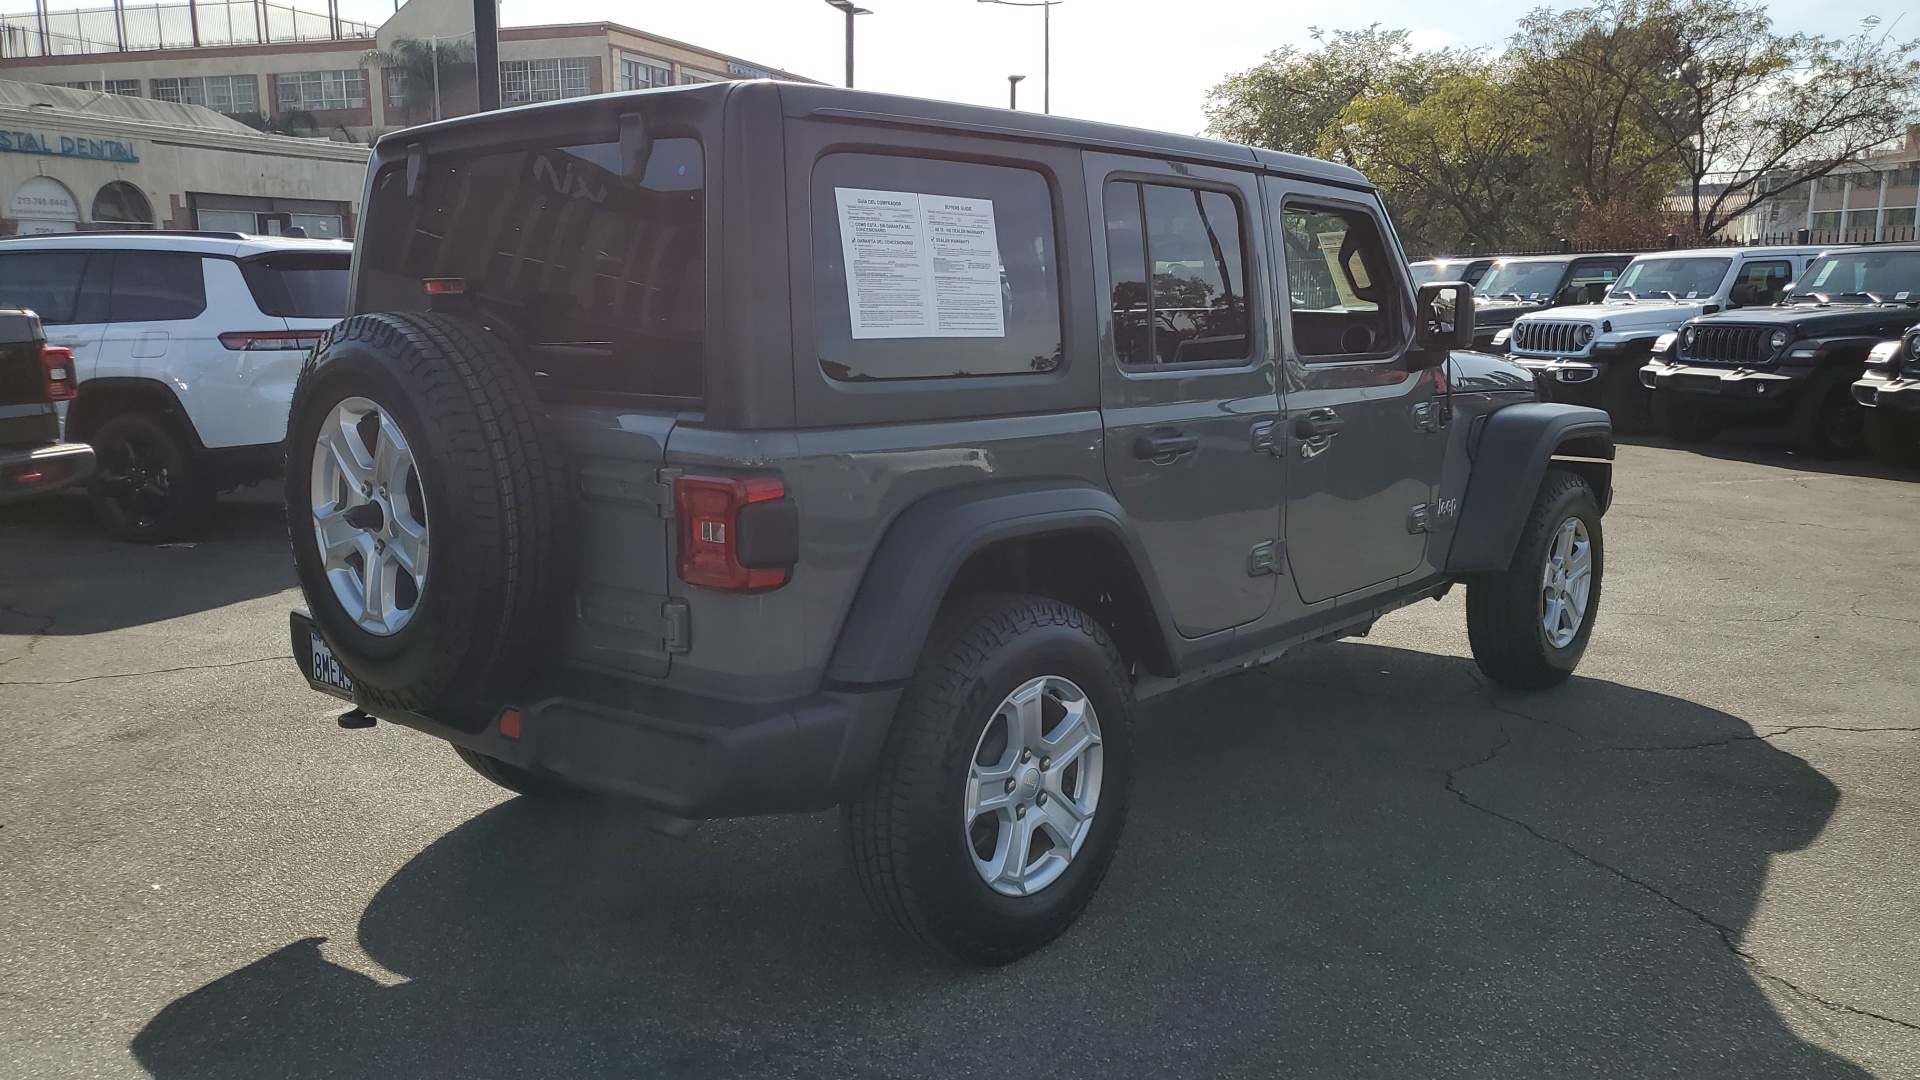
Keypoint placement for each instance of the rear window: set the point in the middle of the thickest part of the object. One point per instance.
(299, 285)
(600, 275)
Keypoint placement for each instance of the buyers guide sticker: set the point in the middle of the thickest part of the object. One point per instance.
(920, 265)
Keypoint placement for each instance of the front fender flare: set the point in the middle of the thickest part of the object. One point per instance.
(924, 547)
(1509, 462)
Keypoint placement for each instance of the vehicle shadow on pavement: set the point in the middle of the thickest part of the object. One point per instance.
(104, 584)
(1357, 861)
(1761, 447)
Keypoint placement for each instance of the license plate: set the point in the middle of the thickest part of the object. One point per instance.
(323, 668)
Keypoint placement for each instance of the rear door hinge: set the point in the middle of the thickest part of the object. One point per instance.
(676, 630)
(663, 480)
(1267, 557)
(1420, 519)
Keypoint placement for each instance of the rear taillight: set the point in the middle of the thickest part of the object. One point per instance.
(256, 340)
(57, 363)
(739, 535)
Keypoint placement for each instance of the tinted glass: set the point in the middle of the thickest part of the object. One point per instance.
(926, 268)
(1127, 267)
(299, 286)
(1762, 282)
(1522, 280)
(156, 286)
(49, 283)
(1179, 274)
(1676, 279)
(602, 275)
(1340, 290)
(1886, 274)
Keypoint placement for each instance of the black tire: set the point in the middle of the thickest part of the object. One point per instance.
(1505, 611)
(519, 780)
(149, 485)
(497, 502)
(1827, 422)
(910, 852)
(1683, 421)
(1626, 400)
(1894, 438)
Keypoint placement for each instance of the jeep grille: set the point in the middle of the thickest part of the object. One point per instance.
(1729, 344)
(1543, 336)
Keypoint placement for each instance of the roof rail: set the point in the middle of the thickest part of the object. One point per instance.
(204, 234)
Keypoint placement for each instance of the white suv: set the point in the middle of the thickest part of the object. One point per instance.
(187, 346)
(1591, 354)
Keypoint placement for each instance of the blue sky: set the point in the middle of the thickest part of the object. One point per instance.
(1142, 62)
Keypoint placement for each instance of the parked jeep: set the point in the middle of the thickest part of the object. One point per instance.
(759, 447)
(1517, 286)
(1890, 391)
(34, 377)
(1467, 270)
(1591, 354)
(1792, 365)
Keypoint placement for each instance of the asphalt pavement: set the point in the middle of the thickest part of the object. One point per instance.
(1695, 860)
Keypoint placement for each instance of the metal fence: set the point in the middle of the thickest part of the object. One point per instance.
(144, 27)
(1796, 238)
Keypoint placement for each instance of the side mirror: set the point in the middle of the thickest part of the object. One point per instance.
(1443, 314)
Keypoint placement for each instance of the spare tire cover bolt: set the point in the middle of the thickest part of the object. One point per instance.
(1041, 799)
(1046, 763)
(1009, 787)
(1026, 755)
(1020, 811)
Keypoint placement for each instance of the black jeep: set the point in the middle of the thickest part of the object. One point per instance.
(33, 379)
(1792, 365)
(1890, 392)
(758, 447)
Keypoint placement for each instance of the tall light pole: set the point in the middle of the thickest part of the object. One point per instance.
(1046, 43)
(848, 7)
(1013, 91)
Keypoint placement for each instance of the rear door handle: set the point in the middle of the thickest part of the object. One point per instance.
(1318, 424)
(1164, 446)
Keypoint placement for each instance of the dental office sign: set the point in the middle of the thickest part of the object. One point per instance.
(73, 146)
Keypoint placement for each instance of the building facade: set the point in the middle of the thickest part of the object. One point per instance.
(1872, 201)
(73, 160)
(300, 73)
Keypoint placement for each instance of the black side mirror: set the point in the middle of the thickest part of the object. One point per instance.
(1443, 317)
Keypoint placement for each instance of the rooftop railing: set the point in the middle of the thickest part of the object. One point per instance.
(146, 27)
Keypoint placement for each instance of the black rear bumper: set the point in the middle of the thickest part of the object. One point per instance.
(37, 470)
(692, 757)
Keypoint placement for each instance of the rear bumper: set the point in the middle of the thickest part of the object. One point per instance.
(692, 757)
(1894, 395)
(41, 469)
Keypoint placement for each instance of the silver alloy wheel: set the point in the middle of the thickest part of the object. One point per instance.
(1030, 804)
(1566, 582)
(369, 516)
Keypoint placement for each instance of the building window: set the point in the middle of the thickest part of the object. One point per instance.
(1832, 182)
(230, 94)
(689, 77)
(316, 91)
(122, 203)
(640, 73)
(397, 84)
(522, 81)
(1827, 221)
(123, 87)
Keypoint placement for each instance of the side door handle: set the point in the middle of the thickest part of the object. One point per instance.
(1318, 424)
(1162, 447)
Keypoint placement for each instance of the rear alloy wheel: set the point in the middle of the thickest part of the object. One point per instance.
(369, 516)
(147, 486)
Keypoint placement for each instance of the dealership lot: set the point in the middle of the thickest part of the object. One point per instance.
(1697, 859)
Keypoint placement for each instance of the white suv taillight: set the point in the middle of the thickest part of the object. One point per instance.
(255, 340)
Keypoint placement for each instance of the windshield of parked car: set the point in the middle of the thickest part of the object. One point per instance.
(1524, 280)
(1862, 274)
(1684, 278)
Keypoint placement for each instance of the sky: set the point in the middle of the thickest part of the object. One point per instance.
(1147, 63)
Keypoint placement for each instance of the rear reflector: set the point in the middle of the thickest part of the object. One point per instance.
(444, 286)
(714, 512)
(510, 724)
(257, 340)
(57, 363)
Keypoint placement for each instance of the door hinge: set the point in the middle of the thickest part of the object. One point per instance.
(1431, 415)
(663, 479)
(1263, 440)
(1267, 557)
(676, 631)
(1420, 519)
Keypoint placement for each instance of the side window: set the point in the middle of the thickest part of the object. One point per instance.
(925, 268)
(156, 286)
(1179, 274)
(1593, 280)
(1339, 285)
(1762, 281)
(56, 285)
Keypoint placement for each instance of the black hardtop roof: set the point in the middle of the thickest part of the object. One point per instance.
(832, 102)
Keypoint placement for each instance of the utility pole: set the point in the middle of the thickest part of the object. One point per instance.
(851, 10)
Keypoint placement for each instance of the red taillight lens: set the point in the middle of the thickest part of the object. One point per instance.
(256, 340)
(62, 383)
(714, 512)
(444, 286)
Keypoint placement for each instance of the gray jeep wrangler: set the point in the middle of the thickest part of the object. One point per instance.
(755, 447)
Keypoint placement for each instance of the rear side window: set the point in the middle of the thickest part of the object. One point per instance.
(927, 269)
(298, 285)
(156, 286)
(55, 284)
(599, 274)
(1179, 274)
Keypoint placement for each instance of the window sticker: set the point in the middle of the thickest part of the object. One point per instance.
(919, 265)
(1825, 273)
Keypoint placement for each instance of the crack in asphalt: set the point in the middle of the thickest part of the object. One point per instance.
(1757, 736)
(1854, 608)
(33, 638)
(1724, 933)
(143, 674)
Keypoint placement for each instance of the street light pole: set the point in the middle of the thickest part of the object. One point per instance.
(848, 7)
(1013, 91)
(1046, 43)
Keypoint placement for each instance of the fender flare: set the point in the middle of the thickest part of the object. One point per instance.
(1509, 462)
(926, 545)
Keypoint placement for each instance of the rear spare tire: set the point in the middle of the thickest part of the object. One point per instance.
(428, 507)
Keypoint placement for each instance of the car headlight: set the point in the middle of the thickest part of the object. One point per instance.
(1913, 346)
(1583, 337)
(1686, 336)
(1664, 343)
(1779, 340)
